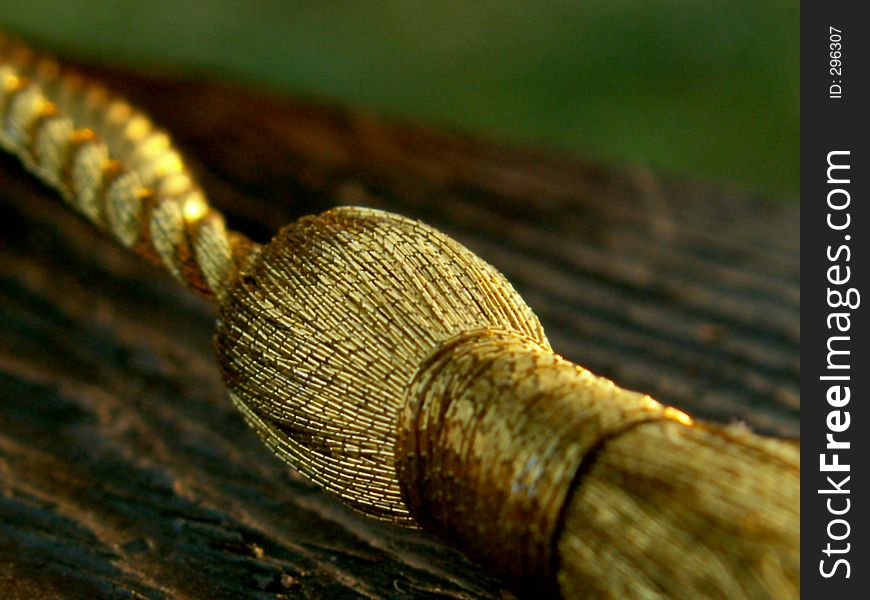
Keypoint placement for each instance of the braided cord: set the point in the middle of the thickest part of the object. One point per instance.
(110, 163)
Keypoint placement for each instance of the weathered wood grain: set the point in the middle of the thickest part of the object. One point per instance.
(126, 472)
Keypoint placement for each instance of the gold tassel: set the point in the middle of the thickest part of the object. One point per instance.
(405, 375)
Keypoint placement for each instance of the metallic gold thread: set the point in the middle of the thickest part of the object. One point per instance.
(319, 339)
(405, 375)
(104, 158)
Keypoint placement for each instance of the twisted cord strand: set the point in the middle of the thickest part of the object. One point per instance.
(110, 163)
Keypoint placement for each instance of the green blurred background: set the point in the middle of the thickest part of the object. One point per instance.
(708, 89)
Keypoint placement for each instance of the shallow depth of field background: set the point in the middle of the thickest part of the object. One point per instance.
(706, 89)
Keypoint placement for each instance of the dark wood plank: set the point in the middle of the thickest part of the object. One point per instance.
(124, 469)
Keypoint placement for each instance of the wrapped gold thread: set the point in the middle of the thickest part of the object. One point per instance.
(320, 337)
(558, 479)
(494, 430)
(405, 375)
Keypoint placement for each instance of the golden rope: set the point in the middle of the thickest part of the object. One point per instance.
(111, 164)
(405, 375)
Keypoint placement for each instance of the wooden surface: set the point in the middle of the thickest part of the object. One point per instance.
(126, 472)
